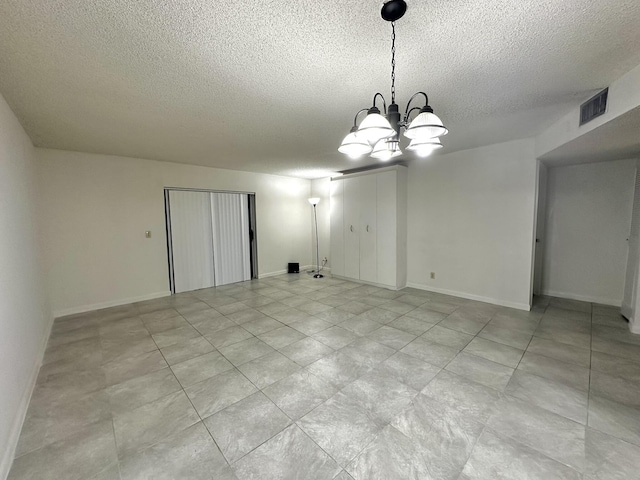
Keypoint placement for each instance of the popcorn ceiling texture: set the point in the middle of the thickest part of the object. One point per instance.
(273, 86)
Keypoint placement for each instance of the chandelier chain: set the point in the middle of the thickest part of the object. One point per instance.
(393, 62)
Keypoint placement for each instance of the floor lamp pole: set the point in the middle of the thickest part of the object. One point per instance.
(318, 274)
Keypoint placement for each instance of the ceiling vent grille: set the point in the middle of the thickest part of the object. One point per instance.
(594, 107)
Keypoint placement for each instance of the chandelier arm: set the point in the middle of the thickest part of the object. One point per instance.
(408, 114)
(355, 119)
(426, 99)
(384, 103)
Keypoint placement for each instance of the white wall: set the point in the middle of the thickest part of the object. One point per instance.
(588, 220)
(24, 318)
(470, 220)
(96, 208)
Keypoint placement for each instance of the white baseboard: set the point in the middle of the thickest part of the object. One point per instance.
(25, 399)
(113, 303)
(583, 298)
(470, 296)
(634, 327)
(282, 272)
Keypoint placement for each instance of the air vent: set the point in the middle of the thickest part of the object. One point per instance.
(594, 107)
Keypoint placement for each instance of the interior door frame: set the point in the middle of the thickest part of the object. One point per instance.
(253, 239)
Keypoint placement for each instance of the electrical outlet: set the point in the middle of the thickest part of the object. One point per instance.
(433, 275)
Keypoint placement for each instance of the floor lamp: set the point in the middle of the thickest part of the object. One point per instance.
(314, 201)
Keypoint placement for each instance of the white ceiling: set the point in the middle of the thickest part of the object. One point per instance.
(273, 86)
(617, 139)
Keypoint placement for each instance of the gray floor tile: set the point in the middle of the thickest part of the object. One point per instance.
(616, 419)
(360, 326)
(290, 454)
(562, 335)
(617, 349)
(445, 336)
(216, 393)
(300, 393)
(560, 351)
(77, 457)
(121, 369)
(552, 435)
(245, 425)
(391, 337)
(407, 369)
(480, 370)
(334, 316)
(428, 316)
(440, 307)
(245, 351)
(48, 420)
(203, 315)
(614, 388)
(381, 397)
(380, 315)
(193, 307)
(616, 366)
(229, 336)
(177, 335)
(430, 352)
(190, 453)
(496, 352)
(445, 436)
(69, 385)
(617, 321)
(200, 368)
(310, 326)
(335, 337)
(268, 369)
(355, 307)
(502, 459)
(616, 334)
(517, 324)
(160, 325)
(373, 462)
(340, 369)
(137, 391)
(272, 308)
(400, 308)
(281, 337)
(244, 316)
(550, 395)
(306, 351)
(183, 351)
(463, 322)
(410, 325)
(513, 338)
(290, 315)
(138, 429)
(313, 308)
(468, 397)
(554, 369)
(211, 326)
(610, 458)
(339, 428)
(163, 314)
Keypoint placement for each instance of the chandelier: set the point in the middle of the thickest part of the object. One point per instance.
(379, 135)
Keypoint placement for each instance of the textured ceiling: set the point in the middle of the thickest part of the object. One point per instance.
(615, 140)
(273, 86)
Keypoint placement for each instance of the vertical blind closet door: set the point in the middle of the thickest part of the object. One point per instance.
(230, 226)
(191, 240)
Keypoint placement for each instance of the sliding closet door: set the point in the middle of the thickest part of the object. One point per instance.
(191, 243)
(231, 242)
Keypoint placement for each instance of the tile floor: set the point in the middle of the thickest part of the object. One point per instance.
(296, 378)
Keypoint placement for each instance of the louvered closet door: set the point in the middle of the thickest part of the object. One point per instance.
(192, 247)
(230, 226)
(337, 227)
(633, 257)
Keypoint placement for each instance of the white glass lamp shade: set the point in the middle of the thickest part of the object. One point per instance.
(386, 149)
(424, 148)
(354, 147)
(373, 128)
(424, 126)
(314, 201)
